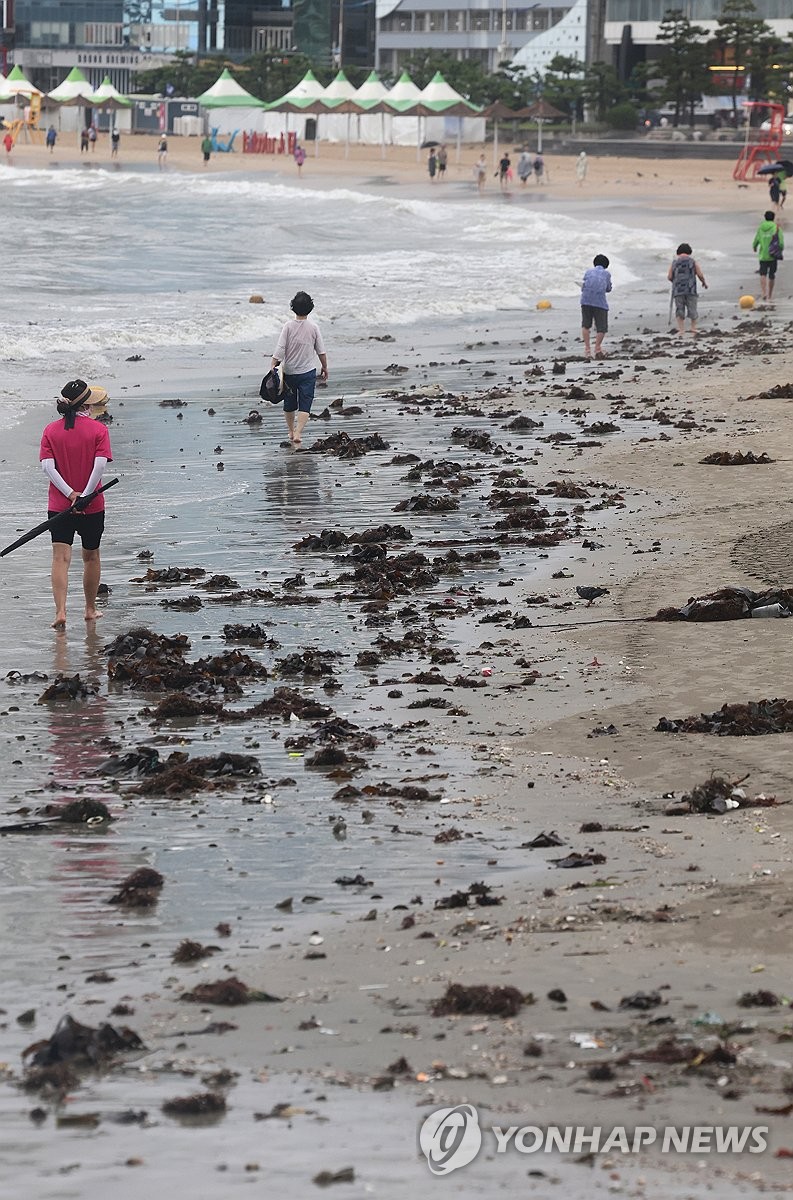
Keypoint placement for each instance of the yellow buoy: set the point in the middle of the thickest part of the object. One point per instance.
(256, 299)
(544, 304)
(746, 301)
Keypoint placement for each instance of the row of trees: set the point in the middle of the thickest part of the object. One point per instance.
(743, 43)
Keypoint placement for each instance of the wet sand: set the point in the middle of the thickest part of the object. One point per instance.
(691, 907)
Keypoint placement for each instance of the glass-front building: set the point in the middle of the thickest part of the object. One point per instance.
(52, 36)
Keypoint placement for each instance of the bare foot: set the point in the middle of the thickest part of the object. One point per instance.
(296, 441)
(94, 615)
(60, 622)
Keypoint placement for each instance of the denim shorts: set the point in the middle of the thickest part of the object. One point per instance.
(299, 391)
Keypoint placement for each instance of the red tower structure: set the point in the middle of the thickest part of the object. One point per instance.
(768, 144)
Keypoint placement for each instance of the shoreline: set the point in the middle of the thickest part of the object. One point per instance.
(539, 735)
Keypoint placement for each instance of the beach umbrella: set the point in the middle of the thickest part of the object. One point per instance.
(17, 85)
(370, 97)
(106, 96)
(5, 95)
(541, 111)
(227, 93)
(439, 99)
(307, 97)
(75, 89)
(80, 504)
(498, 111)
(341, 89)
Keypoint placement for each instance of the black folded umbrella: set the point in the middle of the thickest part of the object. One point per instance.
(82, 503)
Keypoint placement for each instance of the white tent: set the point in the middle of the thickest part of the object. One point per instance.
(441, 96)
(7, 101)
(335, 127)
(404, 129)
(231, 108)
(375, 127)
(75, 90)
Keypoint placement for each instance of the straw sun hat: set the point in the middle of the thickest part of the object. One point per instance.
(78, 392)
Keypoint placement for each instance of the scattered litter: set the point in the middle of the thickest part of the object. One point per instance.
(731, 604)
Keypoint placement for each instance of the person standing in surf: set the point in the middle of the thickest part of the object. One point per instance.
(299, 345)
(74, 452)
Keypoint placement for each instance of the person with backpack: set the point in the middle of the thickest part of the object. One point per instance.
(769, 242)
(683, 275)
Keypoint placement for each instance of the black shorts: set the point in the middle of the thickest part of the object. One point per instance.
(600, 316)
(768, 267)
(90, 527)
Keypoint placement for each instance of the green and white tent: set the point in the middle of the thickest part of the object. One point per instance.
(107, 96)
(18, 85)
(227, 93)
(74, 90)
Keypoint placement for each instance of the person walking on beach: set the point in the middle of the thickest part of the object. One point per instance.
(162, 152)
(594, 305)
(581, 165)
(769, 242)
(8, 142)
(206, 147)
(504, 171)
(480, 172)
(443, 159)
(539, 168)
(52, 136)
(115, 142)
(92, 137)
(432, 165)
(73, 454)
(83, 140)
(525, 167)
(299, 157)
(683, 275)
(298, 346)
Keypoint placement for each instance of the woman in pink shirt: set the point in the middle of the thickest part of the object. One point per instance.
(74, 452)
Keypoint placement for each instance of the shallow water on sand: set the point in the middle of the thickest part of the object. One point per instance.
(223, 858)
(126, 261)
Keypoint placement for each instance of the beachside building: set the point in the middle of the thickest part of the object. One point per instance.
(487, 31)
(46, 38)
(631, 26)
(329, 32)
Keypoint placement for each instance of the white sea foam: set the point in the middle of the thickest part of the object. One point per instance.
(105, 261)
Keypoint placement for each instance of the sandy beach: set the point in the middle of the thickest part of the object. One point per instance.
(461, 700)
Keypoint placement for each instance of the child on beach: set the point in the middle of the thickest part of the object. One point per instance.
(298, 344)
(594, 305)
(683, 275)
(480, 172)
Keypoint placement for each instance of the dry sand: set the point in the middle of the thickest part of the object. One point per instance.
(682, 184)
(693, 907)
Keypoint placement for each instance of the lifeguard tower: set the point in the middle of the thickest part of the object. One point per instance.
(762, 146)
(26, 128)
